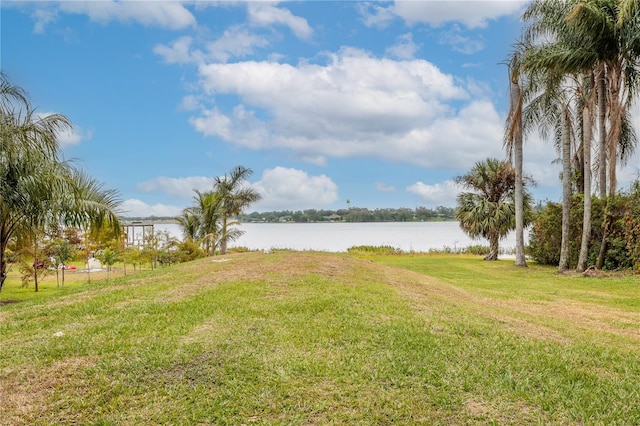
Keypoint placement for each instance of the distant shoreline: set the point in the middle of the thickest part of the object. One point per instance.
(148, 221)
(153, 221)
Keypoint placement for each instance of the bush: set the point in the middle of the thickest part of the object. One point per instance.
(624, 231)
(374, 250)
(477, 249)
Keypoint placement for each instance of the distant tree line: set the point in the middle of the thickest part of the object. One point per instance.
(353, 214)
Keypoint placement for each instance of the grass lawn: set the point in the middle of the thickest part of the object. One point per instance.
(318, 338)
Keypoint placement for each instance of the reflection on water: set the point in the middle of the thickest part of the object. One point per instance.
(338, 237)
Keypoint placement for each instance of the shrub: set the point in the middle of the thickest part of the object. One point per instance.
(623, 238)
(375, 250)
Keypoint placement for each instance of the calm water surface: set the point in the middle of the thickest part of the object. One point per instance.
(338, 236)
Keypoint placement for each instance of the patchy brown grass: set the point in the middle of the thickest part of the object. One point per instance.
(27, 392)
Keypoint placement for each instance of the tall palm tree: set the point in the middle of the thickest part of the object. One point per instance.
(587, 106)
(235, 195)
(513, 141)
(488, 211)
(35, 186)
(550, 98)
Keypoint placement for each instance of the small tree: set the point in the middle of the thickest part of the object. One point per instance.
(489, 211)
(109, 257)
(62, 252)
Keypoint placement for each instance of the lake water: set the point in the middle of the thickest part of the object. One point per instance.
(339, 236)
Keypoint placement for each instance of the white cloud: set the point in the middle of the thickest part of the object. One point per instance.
(405, 48)
(181, 187)
(172, 15)
(43, 17)
(235, 42)
(459, 42)
(355, 105)
(471, 13)
(179, 52)
(71, 136)
(74, 136)
(266, 14)
(383, 187)
(373, 15)
(190, 103)
(439, 194)
(292, 189)
(136, 208)
(165, 14)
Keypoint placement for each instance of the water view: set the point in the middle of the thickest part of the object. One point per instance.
(339, 236)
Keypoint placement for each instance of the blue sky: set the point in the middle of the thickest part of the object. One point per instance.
(379, 103)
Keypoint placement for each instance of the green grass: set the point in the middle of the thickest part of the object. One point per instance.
(317, 338)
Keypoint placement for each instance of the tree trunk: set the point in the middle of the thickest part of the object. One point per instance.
(3, 267)
(586, 217)
(493, 247)
(566, 191)
(616, 112)
(519, 184)
(615, 131)
(223, 240)
(35, 263)
(602, 133)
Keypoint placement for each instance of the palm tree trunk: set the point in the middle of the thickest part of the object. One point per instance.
(566, 191)
(611, 145)
(586, 217)
(223, 239)
(519, 184)
(3, 266)
(493, 247)
(35, 263)
(602, 133)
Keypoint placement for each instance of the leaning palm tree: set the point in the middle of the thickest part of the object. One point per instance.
(488, 211)
(235, 195)
(35, 186)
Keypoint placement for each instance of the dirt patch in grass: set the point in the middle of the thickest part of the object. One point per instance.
(27, 393)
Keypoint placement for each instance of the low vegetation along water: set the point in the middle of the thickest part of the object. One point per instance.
(308, 338)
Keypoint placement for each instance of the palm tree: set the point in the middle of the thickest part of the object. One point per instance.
(489, 210)
(234, 196)
(591, 36)
(587, 102)
(513, 141)
(35, 186)
(189, 224)
(201, 221)
(610, 43)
